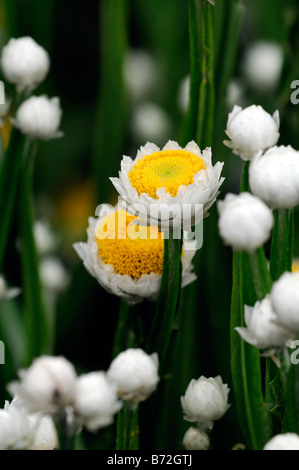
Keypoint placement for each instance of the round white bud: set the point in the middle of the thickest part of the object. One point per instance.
(135, 374)
(287, 441)
(24, 62)
(245, 222)
(196, 439)
(285, 300)
(39, 118)
(205, 401)
(250, 130)
(274, 177)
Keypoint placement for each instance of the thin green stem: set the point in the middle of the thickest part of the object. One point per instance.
(127, 434)
(167, 305)
(282, 243)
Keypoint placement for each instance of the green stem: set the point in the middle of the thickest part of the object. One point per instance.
(127, 437)
(127, 334)
(35, 315)
(167, 305)
(282, 243)
(66, 432)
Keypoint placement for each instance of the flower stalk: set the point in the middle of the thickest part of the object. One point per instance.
(127, 428)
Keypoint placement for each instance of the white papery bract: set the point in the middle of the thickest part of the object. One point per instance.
(39, 118)
(262, 65)
(285, 300)
(250, 130)
(196, 439)
(162, 207)
(135, 374)
(95, 400)
(24, 62)
(205, 401)
(287, 441)
(7, 293)
(245, 222)
(47, 385)
(263, 328)
(274, 177)
(123, 285)
(20, 430)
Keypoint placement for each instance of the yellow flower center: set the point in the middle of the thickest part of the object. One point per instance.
(167, 169)
(131, 249)
(295, 265)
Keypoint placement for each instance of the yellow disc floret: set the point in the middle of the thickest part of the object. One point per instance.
(131, 249)
(167, 169)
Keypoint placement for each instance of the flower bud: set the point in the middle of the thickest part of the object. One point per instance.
(47, 385)
(39, 118)
(205, 401)
(285, 300)
(287, 441)
(5, 292)
(53, 274)
(196, 439)
(95, 401)
(245, 222)
(135, 374)
(263, 329)
(24, 63)
(274, 177)
(250, 130)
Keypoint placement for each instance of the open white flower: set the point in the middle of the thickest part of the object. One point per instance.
(47, 385)
(250, 130)
(135, 374)
(262, 65)
(245, 222)
(274, 177)
(125, 258)
(196, 439)
(24, 62)
(95, 400)
(287, 441)
(7, 293)
(205, 401)
(39, 118)
(285, 300)
(263, 328)
(172, 187)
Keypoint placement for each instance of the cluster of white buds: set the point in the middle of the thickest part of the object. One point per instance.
(51, 386)
(205, 401)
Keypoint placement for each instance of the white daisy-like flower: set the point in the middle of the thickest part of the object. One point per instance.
(250, 130)
(274, 177)
(263, 329)
(125, 258)
(172, 187)
(7, 293)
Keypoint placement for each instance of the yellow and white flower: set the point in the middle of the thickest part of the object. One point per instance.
(172, 187)
(125, 258)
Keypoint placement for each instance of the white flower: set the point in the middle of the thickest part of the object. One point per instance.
(7, 293)
(250, 130)
(205, 401)
(53, 274)
(46, 241)
(24, 62)
(141, 74)
(127, 267)
(263, 329)
(196, 439)
(245, 222)
(135, 374)
(39, 118)
(47, 385)
(285, 300)
(149, 121)
(172, 187)
(262, 65)
(287, 441)
(20, 430)
(95, 401)
(274, 177)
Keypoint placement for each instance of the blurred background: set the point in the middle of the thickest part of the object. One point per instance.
(121, 70)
